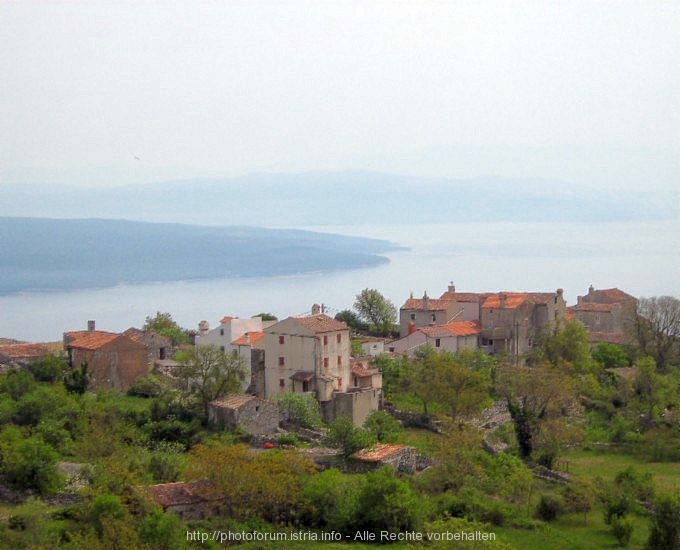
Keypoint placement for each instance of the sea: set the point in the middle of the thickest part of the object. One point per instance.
(641, 258)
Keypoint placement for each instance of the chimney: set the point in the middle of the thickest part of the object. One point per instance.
(316, 309)
(203, 327)
(452, 287)
(426, 301)
(503, 297)
(591, 289)
(246, 337)
(90, 326)
(411, 327)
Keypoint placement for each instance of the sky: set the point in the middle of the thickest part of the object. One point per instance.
(111, 93)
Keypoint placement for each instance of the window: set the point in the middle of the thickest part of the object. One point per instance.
(413, 316)
(221, 332)
(325, 340)
(325, 362)
(305, 385)
(339, 338)
(434, 317)
(257, 408)
(339, 360)
(437, 342)
(282, 361)
(339, 383)
(282, 339)
(282, 383)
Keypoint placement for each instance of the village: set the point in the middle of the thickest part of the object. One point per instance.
(410, 399)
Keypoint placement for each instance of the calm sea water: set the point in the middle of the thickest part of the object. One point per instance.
(640, 258)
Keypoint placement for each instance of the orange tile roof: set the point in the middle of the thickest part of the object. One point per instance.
(361, 371)
(512, 301)
(465, 296)
(90, 340)
(254, 338)
(135, 334)
(226, 319)
(433, 304)
(609, 295)
(378, 452)
(455, 328)
(321, 323)
(25, 350)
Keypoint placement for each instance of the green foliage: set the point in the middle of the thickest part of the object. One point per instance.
(77, 380)
(17, 383)
(664, 533)
(579, 497)
(376, 310)
(164, 324)
(610, 356)
(342, 434)
(162, 530)
(567, 347)
(49, 368)
(267, 316)
(622, 529)
(388, 503)
(333, 500)
(28, 463)
(147, 386)
(382, 426)
(300, 409)
(657, 328)
(288, 440)
(549, 508)
(210, 373)
(352, 319)
(394, 373)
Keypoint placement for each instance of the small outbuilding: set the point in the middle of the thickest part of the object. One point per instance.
(401, 457)
(251, 414)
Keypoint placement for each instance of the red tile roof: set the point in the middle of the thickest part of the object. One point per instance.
(26, 350)
(512, 300)
(253, 336)
(362, 372)
(608, 295)
(455, 328)
(433, 304)
(89, 339)
(465, 296)
(226, 319)
(378, 452)
(321, 323)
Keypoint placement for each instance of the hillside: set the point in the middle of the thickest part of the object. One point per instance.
(48, 254)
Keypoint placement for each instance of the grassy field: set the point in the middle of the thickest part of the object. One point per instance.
(589, 464)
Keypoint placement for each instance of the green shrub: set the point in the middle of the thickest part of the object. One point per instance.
(288, 439)
(622, 529)
(549, 508)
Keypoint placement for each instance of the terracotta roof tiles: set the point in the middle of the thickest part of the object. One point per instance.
(433, 304)
(455, 328)
(232, 401)
(254, 337)
(321, 323)
(378, 452)
(86, 339)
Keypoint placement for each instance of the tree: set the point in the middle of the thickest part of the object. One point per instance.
(301, 409)
(461, 390)
(343, 435)
(377, 310)
(267, 316)
(210, 373)
(534, 395)
(48, 368)
(664, 533)
(657, 329)
(351, 319)
(610, 356)
(164, 324)
(77, 380)
(567, 347)
(384, 427)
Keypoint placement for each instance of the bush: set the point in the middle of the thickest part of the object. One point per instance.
(301, 409)
(48, 369)
(382, 426)
(288, 439)
(622, 529)
(146, 386)
(549, 508)
(342, 434)
(664, 533)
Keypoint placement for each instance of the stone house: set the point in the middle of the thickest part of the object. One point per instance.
(311, 354)
(512, 322)
(251, 414)
(158, 347)
(452, 337)
(249, 347)
(605, 313)
(426, 311)
(21, 354)
(114, 361)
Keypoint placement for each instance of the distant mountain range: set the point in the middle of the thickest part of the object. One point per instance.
(336, 198)
(50, 254)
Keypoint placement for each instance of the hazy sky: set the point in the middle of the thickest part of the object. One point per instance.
(580, 91)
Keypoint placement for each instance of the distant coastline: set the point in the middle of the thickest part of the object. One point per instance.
(43, 254)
